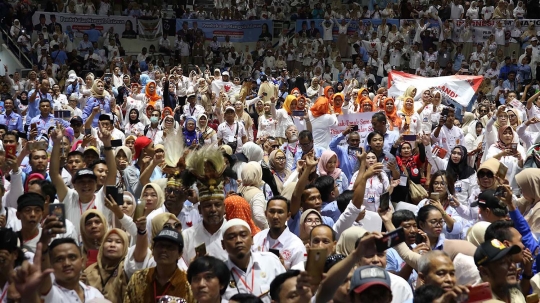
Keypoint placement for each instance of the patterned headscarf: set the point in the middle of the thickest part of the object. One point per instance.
(237, 207)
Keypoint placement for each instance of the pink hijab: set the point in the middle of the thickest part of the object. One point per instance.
(325, 157)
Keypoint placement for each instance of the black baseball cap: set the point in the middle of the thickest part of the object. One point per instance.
(76, 119)
(170, 235)
(85, 172)
(488, 199)
(105, 117)
(367, 276)
(493, 250)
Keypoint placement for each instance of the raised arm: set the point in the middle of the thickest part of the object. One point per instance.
(54, 167)
(309, 164)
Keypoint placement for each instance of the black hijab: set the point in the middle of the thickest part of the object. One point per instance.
(460, 170)
(129, 116)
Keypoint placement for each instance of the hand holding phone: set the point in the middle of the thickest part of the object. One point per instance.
(200, 250)
(390, 240)
(315, 264)
(59, 211)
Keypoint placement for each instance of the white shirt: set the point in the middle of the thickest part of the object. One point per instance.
(227, 134)
(58, 294)
(194, 112)
(11, 218)
(401, 290)
(320, 126)
(448, 138)
(290, 247)
(197, 235)
(75, 209)
(262, 269)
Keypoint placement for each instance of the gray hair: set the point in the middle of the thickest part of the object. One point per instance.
(424, 263)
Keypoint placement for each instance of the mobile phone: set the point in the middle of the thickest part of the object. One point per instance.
(502, 170)
(298, 113)
(384, 204)
(274, 251)
(116, 143)
(354, 128)
(107, 75)
(434, 196)
(33, 126)
(409, 137)
(439, 151)
(514, 148)
(38, 145)
(480, 293)
(390, 240)
(59, 211)
(499, 192)
(200, 250)
(11, 150)
(117, 195)
(62, 114)
(87, 131)
(139, 209)
(444, 113)
(315, 263)
(532, 298)
(419, 239)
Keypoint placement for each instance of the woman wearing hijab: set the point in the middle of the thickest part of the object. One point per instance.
(208, 135)
(251, 177)
(93, 226)
(411, 162)
(468, 119)
(267, 126)
(123, 158)
(337, 100)
(308, 220)
(475, 234)
(283, 116)
(409, 92)
(124, 214)
(108, 275)
(153, 197)
(191, 135)
(278, 165)
(151, 95)
(514, 118)
(412, 124)
(492, 128)
(528, 181)
(390, 110)
(346, 244)
(99, 98)
(315, 89)
(511, 157)
(237, 207)
(322, 118)
(134, 126)
(328, 166)
(473, 143)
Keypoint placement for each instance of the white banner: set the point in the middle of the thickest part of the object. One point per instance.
(228, 88)
(459, 89)
(150, 28)
(123, 25)
(363, 120)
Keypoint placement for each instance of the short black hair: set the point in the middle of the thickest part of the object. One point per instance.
(279, 198)
(10, 133)
(96, 162)
(344, 199)
(401, 216)
(211, 264)
(424, 211)
(48, 190)
(75, 153)
(61, 241)
(379, 116)
(427, 293)
(325, 185)
(499, 230)
(334, 234)
(305, 134)
(44, 100)
(246, 298)
(275, 286)
(373, 134)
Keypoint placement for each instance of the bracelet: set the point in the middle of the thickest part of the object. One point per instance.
(141, 232)
(107, 147)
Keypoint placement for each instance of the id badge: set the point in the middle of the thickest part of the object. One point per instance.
(371, 196)
(230, 139)
(403, 180)
(458, 186)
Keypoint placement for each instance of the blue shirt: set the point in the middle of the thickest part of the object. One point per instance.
(395, 263)
(527, 237)
(92, 102)
(330, 209)
(59, 57)
(294, 222)
(93, 34)
(44, 123)
(348, 162)
(13, 121)
(503, 74)
(33, 107)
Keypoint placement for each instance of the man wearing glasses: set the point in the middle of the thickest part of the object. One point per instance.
(305, 141)
(177, 202)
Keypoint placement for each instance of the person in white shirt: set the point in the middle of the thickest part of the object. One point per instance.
(209, 231)
(456, 10)
(66, 287)
(487, 12)
(278, 238)
(251, 272)
(164, 44)
(446, 135)
(232, 132)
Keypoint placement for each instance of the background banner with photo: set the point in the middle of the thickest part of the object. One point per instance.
(354, 25)
(123, 25)
(239, 31)
(150, 28)
(363, 120)
(169, 26)
(459, 89)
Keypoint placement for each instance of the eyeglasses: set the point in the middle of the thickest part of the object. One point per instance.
(511, 116)
(169, 121)
(170, 190)
(483, 174)
(280, 158)
(436, 222)
(313, 221)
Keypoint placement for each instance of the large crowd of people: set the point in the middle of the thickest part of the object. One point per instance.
(227, 175)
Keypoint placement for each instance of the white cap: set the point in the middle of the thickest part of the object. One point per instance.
(534, 39)
(225, 73)
(234, 222)
(190, 92)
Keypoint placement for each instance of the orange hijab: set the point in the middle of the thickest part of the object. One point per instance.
(237, 207)
(152, 97)
(380, 99)
(164, 113)
(393, 117)
(321, 107)
(406, 111)
(337, 109)
(359, 97)
(364, 101)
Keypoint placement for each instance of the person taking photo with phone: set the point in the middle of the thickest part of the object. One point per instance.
(346, 154)
(446, 135)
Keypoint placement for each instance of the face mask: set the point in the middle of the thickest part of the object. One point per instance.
(154, 120)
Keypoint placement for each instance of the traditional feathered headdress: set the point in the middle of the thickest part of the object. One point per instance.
(206, 165)
(174, 150)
